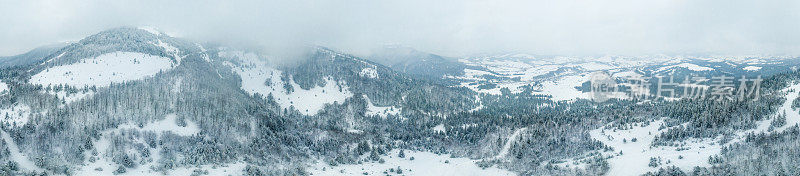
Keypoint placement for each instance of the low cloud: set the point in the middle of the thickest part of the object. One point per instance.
(454, 28)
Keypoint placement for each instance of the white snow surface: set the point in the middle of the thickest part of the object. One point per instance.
(170, 50)
(71, 97)
(16, 115)
(564, 89)
(150, 29)
(752, 68)
(694, 152)
(792, 116)
(511, 139)
(368, 73)
(103, 70)
(689, 66)
(636, 155)
(259, 77)
(3, 88)
(424, 163)
(373, 110)
(439, 128)
(168, 124)
(15, 155)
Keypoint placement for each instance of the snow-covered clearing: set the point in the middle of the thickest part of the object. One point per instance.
(475, 74)
(368, 73)
(752, 68)
(258, 77)
(71, 97)
(505, 67)
(792, 116)
(3, 88)
(168, 124)
(23, 161)
(479, 102)
(439, 128)
(424, 163)
(16, 115)
(564, 89)
(103, 70)
(636, 155)
(373, 110)
(689, 66)
(513, 87)
(627, 74)
(594, 66)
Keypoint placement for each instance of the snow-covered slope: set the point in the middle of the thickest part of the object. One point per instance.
(3, 88)
(633, 152)
(260, 77)
(102, 165)
(373, 110)
(752, 68)
(72, 97)
(631, 157)
(16, 115)
(511, 139)
(168, 124)
(690, 66)
(117, 67)
(565, 88)
(20, 158)
(424, 163)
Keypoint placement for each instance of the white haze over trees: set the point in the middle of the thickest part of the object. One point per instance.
(454, 28)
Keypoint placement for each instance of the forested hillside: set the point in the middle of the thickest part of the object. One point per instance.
(130, 101)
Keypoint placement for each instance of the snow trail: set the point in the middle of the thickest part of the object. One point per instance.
(510, 141)
(17, 156)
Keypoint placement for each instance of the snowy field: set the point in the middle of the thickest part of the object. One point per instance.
(633, 158)
(689, 66)
(259, 77)
(424, 163)
(564, 88)
(636, 155)
(22, 160)
(16, 115)
(752, 68)
(3, 88)
(117, 67)
(373, 110)
(71, 97)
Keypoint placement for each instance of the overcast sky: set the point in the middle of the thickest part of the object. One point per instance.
(454, 28)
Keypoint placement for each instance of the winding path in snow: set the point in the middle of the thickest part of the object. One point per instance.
(510, 141)
(17, 156)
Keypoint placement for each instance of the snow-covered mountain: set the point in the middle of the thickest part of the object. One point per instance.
(136, 101)
(30, 57)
